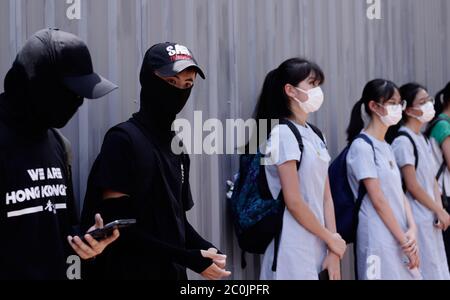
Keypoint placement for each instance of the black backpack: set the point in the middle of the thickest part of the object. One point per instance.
(346, 207)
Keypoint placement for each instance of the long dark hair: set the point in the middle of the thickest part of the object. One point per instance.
(408, 92)
(442, 100)
(378, 90)
(273, 103)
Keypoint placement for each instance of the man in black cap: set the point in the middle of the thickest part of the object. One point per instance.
(138, 176)
(46, 85)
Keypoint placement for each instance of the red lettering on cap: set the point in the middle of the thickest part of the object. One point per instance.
(180, 57)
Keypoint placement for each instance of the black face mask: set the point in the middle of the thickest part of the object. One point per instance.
(161, 101)
(33, 106)
(57, 106)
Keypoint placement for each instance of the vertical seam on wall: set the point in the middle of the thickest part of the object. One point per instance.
(83, 118)
(113, 35)
(50, 13)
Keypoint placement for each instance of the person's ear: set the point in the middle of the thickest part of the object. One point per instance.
(375, 107)
(289, 90)
(413, 112)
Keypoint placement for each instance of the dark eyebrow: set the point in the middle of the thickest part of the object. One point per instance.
(189, 79)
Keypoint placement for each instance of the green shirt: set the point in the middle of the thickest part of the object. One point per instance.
(441, 130)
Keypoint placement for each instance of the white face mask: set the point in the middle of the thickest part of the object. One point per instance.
(394, 115)
(428, 112)
(314, 102)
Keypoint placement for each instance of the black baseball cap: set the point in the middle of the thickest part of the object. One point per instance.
(169, 59)
(74, 65)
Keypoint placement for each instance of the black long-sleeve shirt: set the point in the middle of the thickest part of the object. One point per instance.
(37, 208)
(156, 181)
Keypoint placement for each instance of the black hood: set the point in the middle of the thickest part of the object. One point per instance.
(160, 101)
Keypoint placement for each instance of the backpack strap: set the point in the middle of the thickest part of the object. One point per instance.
(433, 124)
(365, 138)
(416, 153)
(298, 137)
(319, 133)
(441, 170)
(276, 246)
(362, 191)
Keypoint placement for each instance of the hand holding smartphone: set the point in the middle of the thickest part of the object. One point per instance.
(107, 231)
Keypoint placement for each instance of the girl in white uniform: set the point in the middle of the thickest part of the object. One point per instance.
(423, 191)
(386, 246)
(439, 133)
(309, 243)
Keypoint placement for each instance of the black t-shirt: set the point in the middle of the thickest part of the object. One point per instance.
(139, 163)
(36, 211)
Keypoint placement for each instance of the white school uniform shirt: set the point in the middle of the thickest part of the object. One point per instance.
(431, 243)
(379, 255)
(301, 253)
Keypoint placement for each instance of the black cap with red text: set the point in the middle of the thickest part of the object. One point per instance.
(169, 59)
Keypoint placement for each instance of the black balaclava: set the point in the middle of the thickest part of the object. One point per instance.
(35, 98)
(160, 101)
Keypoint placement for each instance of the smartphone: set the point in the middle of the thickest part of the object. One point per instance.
(105, 232)
(324, 275)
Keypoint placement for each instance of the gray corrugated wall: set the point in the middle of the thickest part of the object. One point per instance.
(237, 42)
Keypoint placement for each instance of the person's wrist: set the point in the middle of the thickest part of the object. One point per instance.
(333, 255)
(438, 211)
(403, 241)
(328, 237)
(442, 213)
(197, 262)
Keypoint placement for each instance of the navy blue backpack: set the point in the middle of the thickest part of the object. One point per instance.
(257, 217)
(345, 206)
